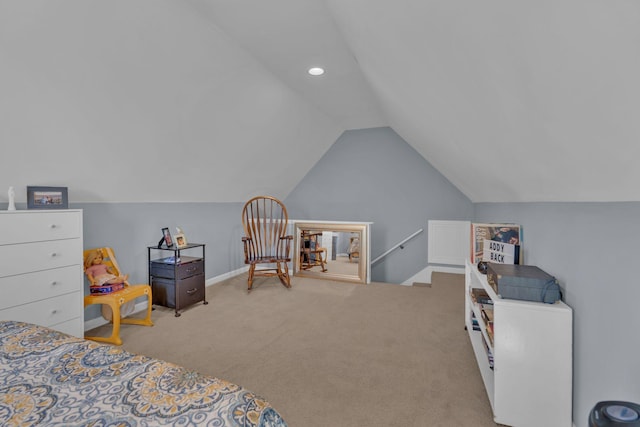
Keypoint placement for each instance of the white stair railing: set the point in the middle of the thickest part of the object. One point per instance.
(399, 245)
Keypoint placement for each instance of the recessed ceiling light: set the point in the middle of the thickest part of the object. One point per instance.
(316, 71)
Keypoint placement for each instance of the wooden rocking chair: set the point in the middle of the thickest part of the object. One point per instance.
(265, 220)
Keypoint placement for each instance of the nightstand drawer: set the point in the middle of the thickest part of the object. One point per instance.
(187, 267)
(178, 294)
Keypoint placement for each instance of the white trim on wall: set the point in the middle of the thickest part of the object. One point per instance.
(141, 306)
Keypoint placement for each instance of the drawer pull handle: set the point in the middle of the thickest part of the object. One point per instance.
(191, 269)
(53, 226)
(54, 283)
(192, 291)
(53, 254)
(54, 311)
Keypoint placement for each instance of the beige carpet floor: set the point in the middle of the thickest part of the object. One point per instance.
(328, 353)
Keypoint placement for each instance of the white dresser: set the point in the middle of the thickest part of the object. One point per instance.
(41, 274)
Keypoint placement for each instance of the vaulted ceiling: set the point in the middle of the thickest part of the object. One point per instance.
(510, 100)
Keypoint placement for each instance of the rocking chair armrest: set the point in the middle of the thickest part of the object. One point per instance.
(285, 244)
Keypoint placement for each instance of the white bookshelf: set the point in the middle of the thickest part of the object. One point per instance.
(531, 381)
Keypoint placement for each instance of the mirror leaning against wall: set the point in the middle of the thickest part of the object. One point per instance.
(332, 250)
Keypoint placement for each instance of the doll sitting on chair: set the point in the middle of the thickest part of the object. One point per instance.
(98, 273)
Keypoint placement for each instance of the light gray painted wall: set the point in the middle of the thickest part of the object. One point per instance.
(373, 175)
(130, 227)
(590, 248)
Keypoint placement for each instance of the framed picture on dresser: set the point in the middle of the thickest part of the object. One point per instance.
(47, 197)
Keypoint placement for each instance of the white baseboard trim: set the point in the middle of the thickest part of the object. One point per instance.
(424, 276)
(141, 306)
(225, 276)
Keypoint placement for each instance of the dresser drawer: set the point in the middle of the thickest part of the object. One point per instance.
(188, 267)
(47, 312)
(24, 288)
(73, 327)
(28, 257)
(37, 226)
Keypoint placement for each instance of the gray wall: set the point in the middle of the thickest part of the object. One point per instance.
(589, 247)
(130, 227)
(373, 175)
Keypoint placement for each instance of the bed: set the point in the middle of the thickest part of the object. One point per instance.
(53, 379)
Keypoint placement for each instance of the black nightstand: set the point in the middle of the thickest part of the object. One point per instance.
(177, 280)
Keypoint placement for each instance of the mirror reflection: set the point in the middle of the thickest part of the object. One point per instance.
(332, 250)
(338, 252)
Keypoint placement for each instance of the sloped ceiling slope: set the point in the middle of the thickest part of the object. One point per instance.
(208, 100)
(290, 36)
(510, 100)
(144, 101)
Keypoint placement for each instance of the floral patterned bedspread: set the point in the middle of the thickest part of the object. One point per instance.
(49, 378)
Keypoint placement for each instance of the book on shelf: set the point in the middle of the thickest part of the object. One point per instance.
(487, 349)
(474, 322)
(490, 331)
(487, 314)
(480, 296)
(485, 306)
(487, 317)
(490, 335)
(490, 328)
